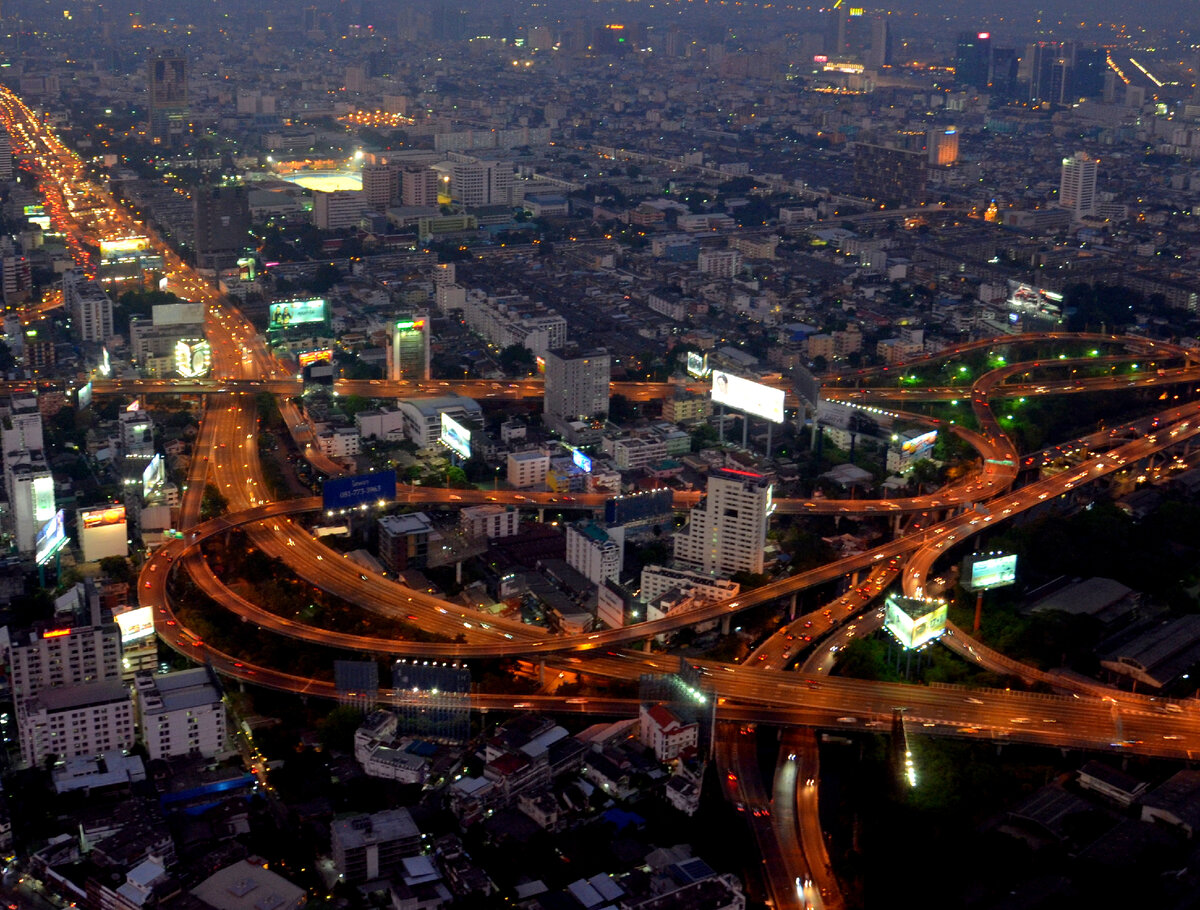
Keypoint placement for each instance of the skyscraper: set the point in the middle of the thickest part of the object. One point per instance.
(1077, 186)
(410, 348)
(576, 385)
(727, 530)
(166, 80)
(973, 59)
(222, 216)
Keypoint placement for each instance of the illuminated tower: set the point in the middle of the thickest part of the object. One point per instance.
(410, 348)
(1077, 186)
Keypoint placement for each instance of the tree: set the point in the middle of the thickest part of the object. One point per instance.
(516, 360)
(213, 503)
(118, 569)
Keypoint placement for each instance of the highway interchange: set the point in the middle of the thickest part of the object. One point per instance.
(761, 691)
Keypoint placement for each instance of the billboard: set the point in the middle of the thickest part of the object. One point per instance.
(308, 358)
(136, 624)
(455, 436)
(102, 532)
(746, 396)
(916, 445)
(358, 489)
(51, 538)
(193, 358)
(84, 398)
(154, 477)
(247, 268)
(123, 246)
(913, 620)
(583, 462)
(43, 499)
(981, 571)
(297, 312)
(697, 364)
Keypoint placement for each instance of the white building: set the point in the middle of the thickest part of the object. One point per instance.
(727, 530)
(70, 721)
(633, 452)
(50, 655)
(423, 417)
(577, 385)
(659, 580)
(340, 442)
(90, 309)
(473, 182)
(21, 431)
(594, 552)
(490, 520)
(719, 263)
(30, 487)
(1077, 186)
(660, 729)
(181, 713)
(528, 469)
(339, 209)
(506, 321)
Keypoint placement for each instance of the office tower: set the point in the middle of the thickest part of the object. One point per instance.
(168, 102)
(90, 309)
(419, 186)
(727, 530)
(410, 348)
(973, 59)
(380, 183)
(880, 53)
(222, 222)
(1048, 67)
(576, 384)
(1005, 62)
(1077, 186)
(1091, 66)
(181, 714)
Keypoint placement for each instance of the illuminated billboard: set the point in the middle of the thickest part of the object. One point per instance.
(123, 246)
(193, 358)
(136, 624)
(84, 395)
(51, 538)
(247, 268)
(358, 489)
(918, 444)
(154, 477)
(981, 571)
(746, 396)
(455, 436)
(43, 499)
(697, 364)
(308, 358)
(102, 532)
(297, 312)
(914, 621)
(583, 462)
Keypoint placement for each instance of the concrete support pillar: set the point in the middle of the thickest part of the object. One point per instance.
(725, 624)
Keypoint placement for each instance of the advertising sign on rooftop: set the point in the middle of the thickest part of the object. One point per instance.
(297, 312)
(455, 436)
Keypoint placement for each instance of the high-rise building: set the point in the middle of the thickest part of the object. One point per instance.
(181, 714)
(166, 79)
(222, 225)
(30, 496)
(419, 186)
(6, 159)
(594, 552)
(337, 209)
(942, 145)
(77, 648)
(380, 185)
(576, 384)
(1077, 185)
(410, 347)
(90, 309)
(889, 175)
(973, 59)
(77, 720)
(880, 53)
(727, 530)
(474, 182)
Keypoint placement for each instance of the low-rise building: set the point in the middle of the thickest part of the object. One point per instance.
(181, 713)
(69, 721)
(370, 847)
